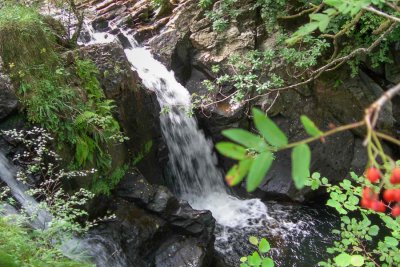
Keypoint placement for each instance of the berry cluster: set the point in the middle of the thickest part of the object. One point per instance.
(370, 199)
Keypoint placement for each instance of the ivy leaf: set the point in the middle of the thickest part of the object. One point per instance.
(309, 126)
(232, 150)
(268, 129)
(245, 138)
(322, 19)
(243, 259)
(264, 246)
(236, 174)
(267, 262)
(357, 260)
(258, 169)
(253, 240)
(343, 260)
(301, 157)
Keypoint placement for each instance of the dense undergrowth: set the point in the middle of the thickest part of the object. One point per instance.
(64, 98)
(22, 247)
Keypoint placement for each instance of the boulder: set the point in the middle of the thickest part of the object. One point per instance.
(159, 200)
(179, 251)
(153, 228)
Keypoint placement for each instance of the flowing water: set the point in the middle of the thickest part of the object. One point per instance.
(298, 237)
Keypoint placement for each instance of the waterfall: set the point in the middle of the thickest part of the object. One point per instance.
(196, 177)
(192, 161)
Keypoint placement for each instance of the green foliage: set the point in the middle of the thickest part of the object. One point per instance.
(24, 248)
(66, 100)
(254, 72)
(268, 129)
(142, 153)
(25, 40)
(301, 157)
(105, 183)
(258, 257)
(359, 240)
(309, 126)
(258, 169)
(255, 153)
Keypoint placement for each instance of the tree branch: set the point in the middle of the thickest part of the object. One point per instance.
(380, 13)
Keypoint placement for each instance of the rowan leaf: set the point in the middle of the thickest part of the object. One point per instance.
(268, 129)
(232, 150)
(301, 158)
(258, 169)
(236, 174)
(309, 126)
(246, 139)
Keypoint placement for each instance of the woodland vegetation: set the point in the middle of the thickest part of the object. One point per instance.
(60, 95)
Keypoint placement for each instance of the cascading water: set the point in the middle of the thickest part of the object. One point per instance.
(198, 180)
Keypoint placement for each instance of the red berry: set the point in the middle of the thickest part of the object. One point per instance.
(396, 211)
(390, 195)
(365, 203)
(396, 194)
(395, 176)
(372, 175)
(378, 206)
(367, 193)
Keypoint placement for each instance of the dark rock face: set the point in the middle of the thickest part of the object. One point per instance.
(328, 106)
(153, 228)
(137, 108)
(8, 99)
(180, 252)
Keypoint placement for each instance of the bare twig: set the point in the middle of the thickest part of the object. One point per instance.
(380, 13)
(306, 11)
(372, 113)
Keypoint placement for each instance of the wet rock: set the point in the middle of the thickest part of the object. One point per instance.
(159, 200)
(153, 228)
(135, 188)
(100, 25)
(181, 252)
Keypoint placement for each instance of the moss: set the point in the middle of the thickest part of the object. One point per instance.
(25, 40)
